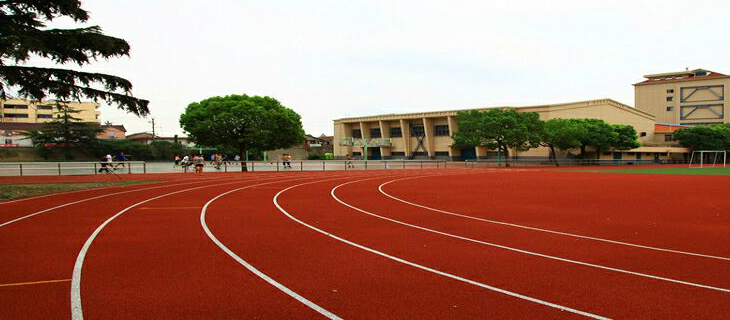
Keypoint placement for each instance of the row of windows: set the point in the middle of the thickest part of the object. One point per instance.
(396, 132)
(15, 106)
(25, 115)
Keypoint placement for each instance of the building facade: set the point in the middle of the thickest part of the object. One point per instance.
(147, 138)
(112, 132)
(428, 135)
(27, 111)
(692, 97)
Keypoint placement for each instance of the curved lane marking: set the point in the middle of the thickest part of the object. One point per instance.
(428, 269)
(76, 307)
(109, 195)
(253, 269)
(332, 193)
(380, 188)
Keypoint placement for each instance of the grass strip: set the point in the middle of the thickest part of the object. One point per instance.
(708, 171)
(15, 191)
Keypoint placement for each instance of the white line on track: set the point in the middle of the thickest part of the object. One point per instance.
(104, 196)
(76, 305)
(425, 268)
(334, 196)
(253, 269)
(380, 188)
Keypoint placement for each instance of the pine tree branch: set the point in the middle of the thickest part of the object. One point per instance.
(38, 83)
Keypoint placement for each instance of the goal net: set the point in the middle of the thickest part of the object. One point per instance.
(708, 159)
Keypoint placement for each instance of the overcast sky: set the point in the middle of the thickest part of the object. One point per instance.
(334, 59)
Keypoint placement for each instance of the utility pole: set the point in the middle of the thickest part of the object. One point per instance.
(153, 129)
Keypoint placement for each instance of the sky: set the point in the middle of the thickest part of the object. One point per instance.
(333, 59)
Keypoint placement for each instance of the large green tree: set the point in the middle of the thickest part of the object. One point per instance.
(625, 138)
(597, 134)
(713, 137)
(561, 134)
(65, 133)
(242, 122)
(24, 34)
(501, 129)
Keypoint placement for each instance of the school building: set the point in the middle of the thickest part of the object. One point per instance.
(664, 103)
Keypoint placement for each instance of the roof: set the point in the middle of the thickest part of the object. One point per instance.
(21, 126)
(689, 75)
(585, 103)
(663, 127)
(118, 127)
(148, 135)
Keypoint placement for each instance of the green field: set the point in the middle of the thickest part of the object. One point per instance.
(717, 171)
(13, 191)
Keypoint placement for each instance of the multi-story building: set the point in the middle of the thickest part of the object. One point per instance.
(689, 97)
(27, 111)
(427, 135)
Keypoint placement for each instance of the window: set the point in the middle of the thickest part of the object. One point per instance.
(670, 90)
(417, 131)
(375, 133)
(398, 154)
(441, 130)
(15, 106)
(16, 115)
(356, 133)
(45, 107)
(395, 132)
(44, 116)
(442, 153)
(356, 154)
(670, 98)
(668, 137)
(670, 108)
(643, 134)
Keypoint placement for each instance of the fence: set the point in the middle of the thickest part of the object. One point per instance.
(87, 168)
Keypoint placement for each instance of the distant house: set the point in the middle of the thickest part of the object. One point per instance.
(16, 134)
(112, 132)
(147, 138)
(311, 146)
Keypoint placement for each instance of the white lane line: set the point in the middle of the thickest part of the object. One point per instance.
(106, 195)
(253, 269)
(76, 306)
(380, 188)
(332, 193)
(422, 267)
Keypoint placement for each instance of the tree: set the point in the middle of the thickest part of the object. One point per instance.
(713, 137)
(23, 34)
(65, 133)
(597, 134)
(561, 134)
(625, 138)
(243, 123)
(500, 129)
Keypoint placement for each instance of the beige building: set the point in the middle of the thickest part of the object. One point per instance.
(27, 111)
(689, 97)
(428, 135)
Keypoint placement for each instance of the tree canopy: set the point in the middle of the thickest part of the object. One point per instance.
(562, 134)
(243, 123)
(500, 129)
(713, 137)
(24, 34)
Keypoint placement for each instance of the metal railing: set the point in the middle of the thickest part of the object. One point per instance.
(70, 168)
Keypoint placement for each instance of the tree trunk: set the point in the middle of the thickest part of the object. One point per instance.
(598, 153)
(242, 154)
(506, 155)
(553, 156)
(582, 152)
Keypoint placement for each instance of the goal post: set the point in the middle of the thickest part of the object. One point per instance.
(708, 159)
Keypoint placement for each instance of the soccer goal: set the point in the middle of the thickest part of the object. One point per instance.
(708, 159)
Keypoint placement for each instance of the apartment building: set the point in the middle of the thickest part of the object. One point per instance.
(27, 111)
(691, 97)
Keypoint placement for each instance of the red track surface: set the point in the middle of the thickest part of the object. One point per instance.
(154, 260)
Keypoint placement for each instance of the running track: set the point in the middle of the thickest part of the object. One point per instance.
(397, 244)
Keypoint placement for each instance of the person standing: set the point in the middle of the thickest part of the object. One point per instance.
(199, 164)
(286, 160)
(348, 161)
